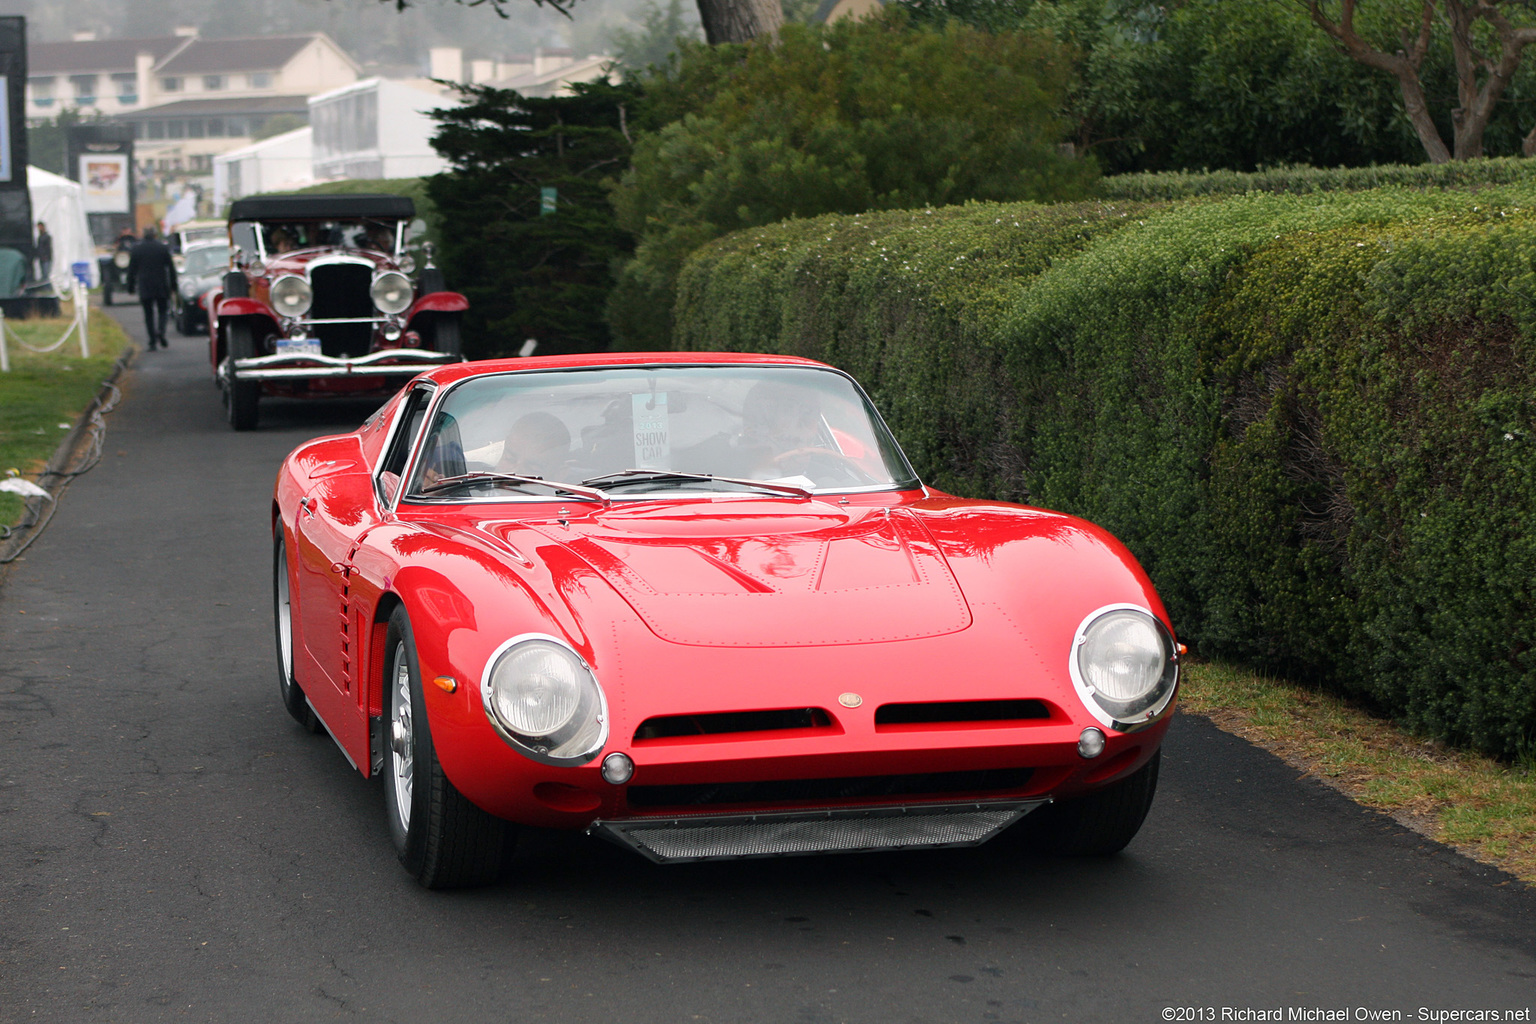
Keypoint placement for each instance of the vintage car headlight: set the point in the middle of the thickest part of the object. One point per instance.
(291, 295)
(188, 288)
(391, 292)
(121, 259)
(1124, 665)
(543, 699)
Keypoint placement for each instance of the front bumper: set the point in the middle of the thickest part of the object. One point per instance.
(394, 362)
(796, 833)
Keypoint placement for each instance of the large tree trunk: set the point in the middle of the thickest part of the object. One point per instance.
(738, 21)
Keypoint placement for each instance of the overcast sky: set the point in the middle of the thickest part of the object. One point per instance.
(371, 31)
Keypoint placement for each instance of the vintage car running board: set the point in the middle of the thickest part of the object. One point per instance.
(795, 833)
(374, 364)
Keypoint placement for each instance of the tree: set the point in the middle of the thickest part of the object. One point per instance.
(1487, 43)
(725, 21)
(528, 271)
(659, 31)
(864, 114)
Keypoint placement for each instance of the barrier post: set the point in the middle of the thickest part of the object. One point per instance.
(82, 307)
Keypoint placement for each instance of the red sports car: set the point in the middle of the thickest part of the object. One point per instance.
(700, 605)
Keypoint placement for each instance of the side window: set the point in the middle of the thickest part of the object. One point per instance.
(393, 466)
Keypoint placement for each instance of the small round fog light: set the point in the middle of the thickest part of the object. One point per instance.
(1089, 745)
(617, 768)
(391, 332)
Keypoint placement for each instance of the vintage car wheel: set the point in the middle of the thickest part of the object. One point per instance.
(106, 291)
(282, 615)
(1095, 825)
(446, 336)
(442, 839)
(241, 396)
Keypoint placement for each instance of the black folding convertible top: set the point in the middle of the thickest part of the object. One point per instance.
(321, 207)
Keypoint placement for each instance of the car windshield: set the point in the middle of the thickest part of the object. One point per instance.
(206, 260)
(364, 233)
(638, 431)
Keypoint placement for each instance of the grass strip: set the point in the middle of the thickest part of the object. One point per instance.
(1482, 807)
(44, 393)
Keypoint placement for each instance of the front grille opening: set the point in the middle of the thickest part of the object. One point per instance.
(718, 723)
(792, 791)
(342, 292)
(957, 711)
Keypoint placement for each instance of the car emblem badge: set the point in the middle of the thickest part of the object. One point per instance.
(850, 700)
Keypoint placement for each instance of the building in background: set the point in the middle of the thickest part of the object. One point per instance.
(377, 128)
(95, 76)
(279, 164)
(547, 72)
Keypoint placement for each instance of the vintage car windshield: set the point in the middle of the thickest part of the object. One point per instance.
(279, 237)
(795, 427)
(206, 260)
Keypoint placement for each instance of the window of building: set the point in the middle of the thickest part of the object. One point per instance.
(42, 90)
(175, 129)
(138, 130)
(171, 84)
(85, 88)
(154, 129)
(215, 127)
(260, 80)
(200, 162)
(196, 128)
(235, 127)
(213, 81)
(127, 89)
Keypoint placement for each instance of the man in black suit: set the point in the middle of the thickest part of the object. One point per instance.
(151, 268)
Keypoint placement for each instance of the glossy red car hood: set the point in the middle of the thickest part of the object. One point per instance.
(750, 573)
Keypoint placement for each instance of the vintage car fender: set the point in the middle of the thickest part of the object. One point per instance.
(243, 306)
(437, 302)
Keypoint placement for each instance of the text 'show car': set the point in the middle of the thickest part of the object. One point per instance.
(321, 302)
(700, 605)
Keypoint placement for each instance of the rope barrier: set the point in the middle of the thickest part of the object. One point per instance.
(78, 323)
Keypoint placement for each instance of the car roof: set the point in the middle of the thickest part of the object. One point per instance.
(454, 372)
(314, 207)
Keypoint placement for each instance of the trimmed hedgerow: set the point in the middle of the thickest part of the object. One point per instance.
(1162, 185)
(1309, 416)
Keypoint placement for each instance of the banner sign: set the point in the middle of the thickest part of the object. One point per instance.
(105, 179)
(15, 206)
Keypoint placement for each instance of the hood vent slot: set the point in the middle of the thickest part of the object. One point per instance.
(962, 712)
(723, 723)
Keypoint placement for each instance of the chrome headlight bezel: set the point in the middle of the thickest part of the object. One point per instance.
(391, 292)
(291, 295)
(1125, 715)
(576, 741)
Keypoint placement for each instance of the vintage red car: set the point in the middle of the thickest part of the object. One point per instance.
(700, 604)
(321, 302)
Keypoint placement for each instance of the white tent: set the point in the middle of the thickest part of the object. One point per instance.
(57, 202)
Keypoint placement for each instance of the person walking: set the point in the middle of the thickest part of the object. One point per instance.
(43, 250)
(150, 267)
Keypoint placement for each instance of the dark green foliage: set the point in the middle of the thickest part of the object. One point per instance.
(1311, 417)
(987, 15)
(862, 115)
(528, 275)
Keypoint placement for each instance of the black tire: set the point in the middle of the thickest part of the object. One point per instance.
(442, 840)
(106, 292)
(1096, 825)
(235, 285)
(282, 616)
(241, 397)
(446, 334)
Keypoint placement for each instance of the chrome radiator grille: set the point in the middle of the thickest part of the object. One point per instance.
(791, 833)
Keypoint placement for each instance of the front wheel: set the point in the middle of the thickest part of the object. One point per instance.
(1095, 825)
(282, 615)
(241, 396)
(106, 292)
(446, 335)
(442, 839)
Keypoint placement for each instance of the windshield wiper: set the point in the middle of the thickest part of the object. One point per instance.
(661, 475)
(450, 482)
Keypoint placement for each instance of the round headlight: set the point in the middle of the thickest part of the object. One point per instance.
(188, 288)
(542, 698)
(121, 259)
(391, 292)
(1124, 665)
(291, 295)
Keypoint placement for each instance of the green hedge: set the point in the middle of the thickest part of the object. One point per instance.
(1302, 179)
(1310, 416)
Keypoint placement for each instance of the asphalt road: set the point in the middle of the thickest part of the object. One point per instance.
(174, 847)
